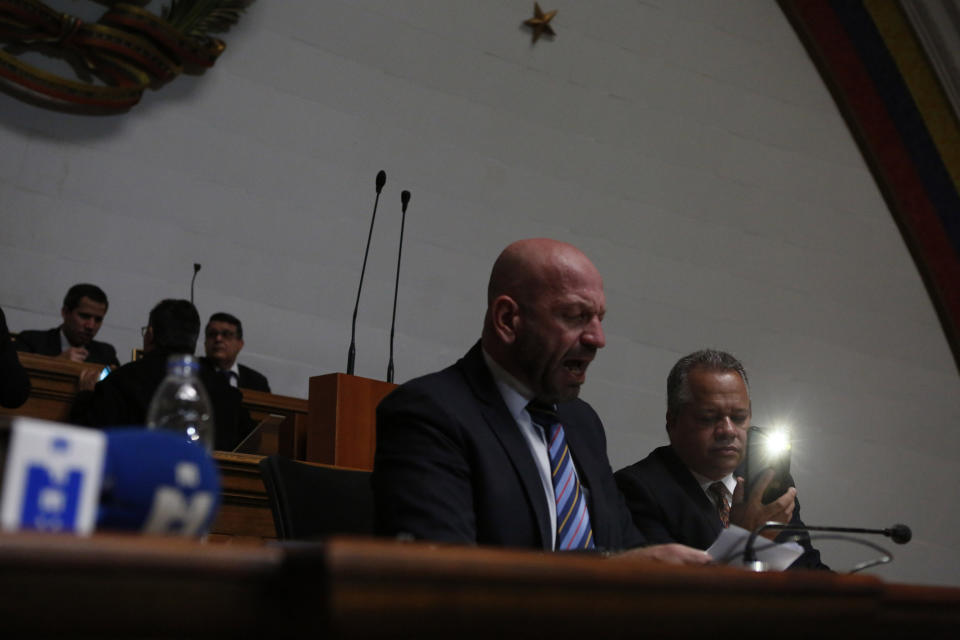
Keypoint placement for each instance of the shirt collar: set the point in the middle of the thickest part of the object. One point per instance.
(515, 394)
(235, 368)
(728, 481)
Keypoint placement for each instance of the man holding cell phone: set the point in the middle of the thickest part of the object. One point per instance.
(84, 308)
(688, 491)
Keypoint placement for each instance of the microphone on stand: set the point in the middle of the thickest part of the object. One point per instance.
(404, 201)
(123, 478)
(157, 482)
(196, 270)
(352, 353)
(899, 533)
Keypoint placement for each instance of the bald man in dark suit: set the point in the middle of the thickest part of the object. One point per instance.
(470, 454)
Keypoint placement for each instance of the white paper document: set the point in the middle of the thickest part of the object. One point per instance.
(728, 549)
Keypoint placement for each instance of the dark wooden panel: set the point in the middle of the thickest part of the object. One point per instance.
(244, 508)
(290, 439)
(128, 587)
(480, 593)
(53, 384)
(134, 587)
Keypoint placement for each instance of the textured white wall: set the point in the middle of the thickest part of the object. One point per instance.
(689, 148)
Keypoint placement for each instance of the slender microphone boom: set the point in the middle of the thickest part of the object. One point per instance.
(352, 353)
(899, 533)
(404, 201)
(196, 270)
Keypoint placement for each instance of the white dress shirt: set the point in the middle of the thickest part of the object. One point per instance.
(728, 481)
(516, 396)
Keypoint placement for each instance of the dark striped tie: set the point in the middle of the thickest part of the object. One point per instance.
(720, 491)
(229, 376)
(573, 518)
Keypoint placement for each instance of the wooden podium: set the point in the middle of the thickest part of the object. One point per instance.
(342, 419)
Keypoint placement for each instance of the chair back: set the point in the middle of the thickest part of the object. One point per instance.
(311, 501)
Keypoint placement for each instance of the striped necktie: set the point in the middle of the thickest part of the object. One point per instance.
(229, 376)
(720, 491)
(573, 518)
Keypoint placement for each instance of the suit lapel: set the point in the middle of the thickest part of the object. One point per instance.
(497, 417)
(53, 340)
(706, 510)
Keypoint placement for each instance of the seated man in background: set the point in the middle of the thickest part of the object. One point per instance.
(84, 308)
(497, 449)
(123, 397)
(224, 340)
(688, 492)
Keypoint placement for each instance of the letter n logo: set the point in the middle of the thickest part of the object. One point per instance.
(49, 505)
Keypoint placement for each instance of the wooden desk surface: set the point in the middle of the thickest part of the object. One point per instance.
(110, 586)
(114, 586)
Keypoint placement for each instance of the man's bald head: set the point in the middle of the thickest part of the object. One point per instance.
(544, 306)
(527, 268)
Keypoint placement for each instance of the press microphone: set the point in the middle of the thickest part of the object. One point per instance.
(404, 201)
(899, 533)
(352, 353)
(157, 482)
(196, 270)
(62, 478)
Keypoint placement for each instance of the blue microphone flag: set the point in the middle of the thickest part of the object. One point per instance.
(156, 482)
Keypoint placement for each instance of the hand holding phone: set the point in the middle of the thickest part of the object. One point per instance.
(768, 450)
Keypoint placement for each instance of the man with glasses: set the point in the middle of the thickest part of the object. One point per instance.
(223, 342)
(123, 397)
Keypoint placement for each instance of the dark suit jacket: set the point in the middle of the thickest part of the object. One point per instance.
(452, 465)
(668, 505)
(249, 378)
(14, 381)
(252, 379)
(123, 397)
(47, 343)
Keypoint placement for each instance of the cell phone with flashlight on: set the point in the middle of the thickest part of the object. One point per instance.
(768, 449)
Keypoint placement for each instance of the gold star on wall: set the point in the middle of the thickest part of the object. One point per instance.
(540, 22)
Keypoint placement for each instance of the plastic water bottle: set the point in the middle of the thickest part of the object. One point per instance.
(181, 404)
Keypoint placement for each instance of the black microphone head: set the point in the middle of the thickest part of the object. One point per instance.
(196, 267)
(381, 179)
(404, 199)
(899, 533)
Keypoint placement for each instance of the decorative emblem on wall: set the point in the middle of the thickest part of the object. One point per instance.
(116, 58)
(540, 22)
